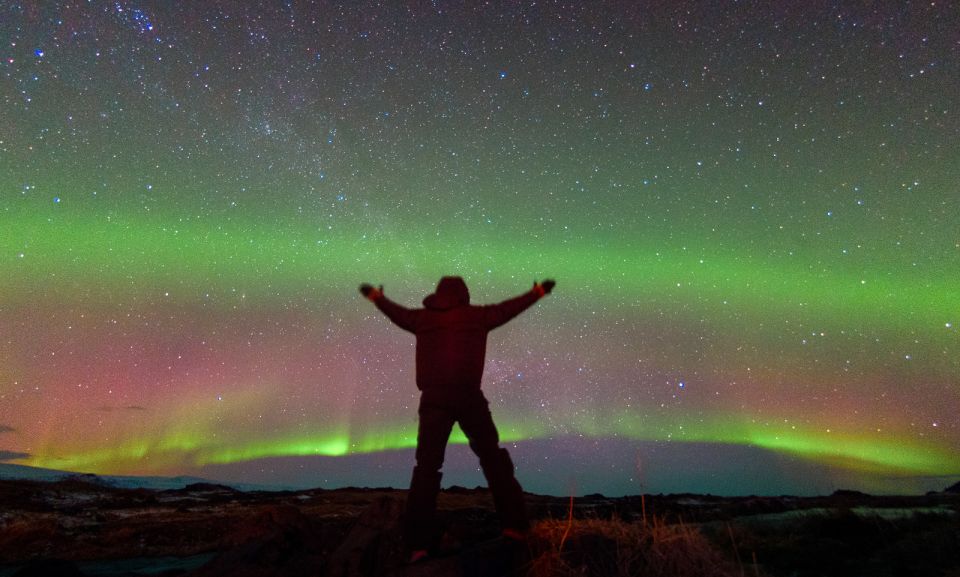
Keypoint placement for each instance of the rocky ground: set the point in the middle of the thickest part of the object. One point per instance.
(83, 527)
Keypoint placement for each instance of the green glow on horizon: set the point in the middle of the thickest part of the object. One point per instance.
(125, 255)
(863, 454)
(851, 450)
(846, 450)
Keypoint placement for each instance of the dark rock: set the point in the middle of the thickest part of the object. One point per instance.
(443, 567)
(849, 494)
(374, 546)
(89, 478)
(208, 487)
(23, 534)
(278, 541)
(955, 488)
(49, 568)
(496, 557)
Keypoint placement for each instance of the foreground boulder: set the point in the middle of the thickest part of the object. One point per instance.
(49, 568)
(277, 541)
(373, 547)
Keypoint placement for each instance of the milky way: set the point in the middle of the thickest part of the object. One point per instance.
(750, 209)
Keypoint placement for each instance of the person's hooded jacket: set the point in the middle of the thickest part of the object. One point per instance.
(452, 333)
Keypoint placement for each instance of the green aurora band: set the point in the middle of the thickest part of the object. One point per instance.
(87, 258)
(751, 215)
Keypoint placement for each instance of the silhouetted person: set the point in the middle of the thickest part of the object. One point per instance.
(451, 344)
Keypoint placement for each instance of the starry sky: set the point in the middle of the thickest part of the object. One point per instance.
(750, 208)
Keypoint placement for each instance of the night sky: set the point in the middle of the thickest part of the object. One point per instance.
(751, 210)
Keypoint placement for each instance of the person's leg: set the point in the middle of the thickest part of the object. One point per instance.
(432, 435)
(478, 426)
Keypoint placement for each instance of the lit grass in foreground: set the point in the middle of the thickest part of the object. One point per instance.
(616, 548)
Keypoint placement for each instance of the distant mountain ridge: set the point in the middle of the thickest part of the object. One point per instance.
(610, 466)
(24, 472)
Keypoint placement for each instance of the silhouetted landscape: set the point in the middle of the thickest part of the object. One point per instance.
(82, 525)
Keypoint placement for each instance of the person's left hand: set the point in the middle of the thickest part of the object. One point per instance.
(370, 291)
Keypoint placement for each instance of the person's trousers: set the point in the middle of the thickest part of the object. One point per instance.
(437, 417)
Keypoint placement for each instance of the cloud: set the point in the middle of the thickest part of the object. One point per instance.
(6, 429)
(12, 455)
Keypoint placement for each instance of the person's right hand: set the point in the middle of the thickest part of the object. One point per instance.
(548, 285)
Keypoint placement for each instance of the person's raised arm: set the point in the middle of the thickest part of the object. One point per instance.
(498, 314)
(403, 317)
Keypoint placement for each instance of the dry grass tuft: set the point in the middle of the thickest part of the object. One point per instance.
(615, 548)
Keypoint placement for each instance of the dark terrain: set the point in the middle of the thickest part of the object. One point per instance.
(82, 526)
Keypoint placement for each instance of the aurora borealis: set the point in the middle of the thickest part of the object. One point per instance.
(750, 208)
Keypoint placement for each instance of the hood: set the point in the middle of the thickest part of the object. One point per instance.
(451, 292)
